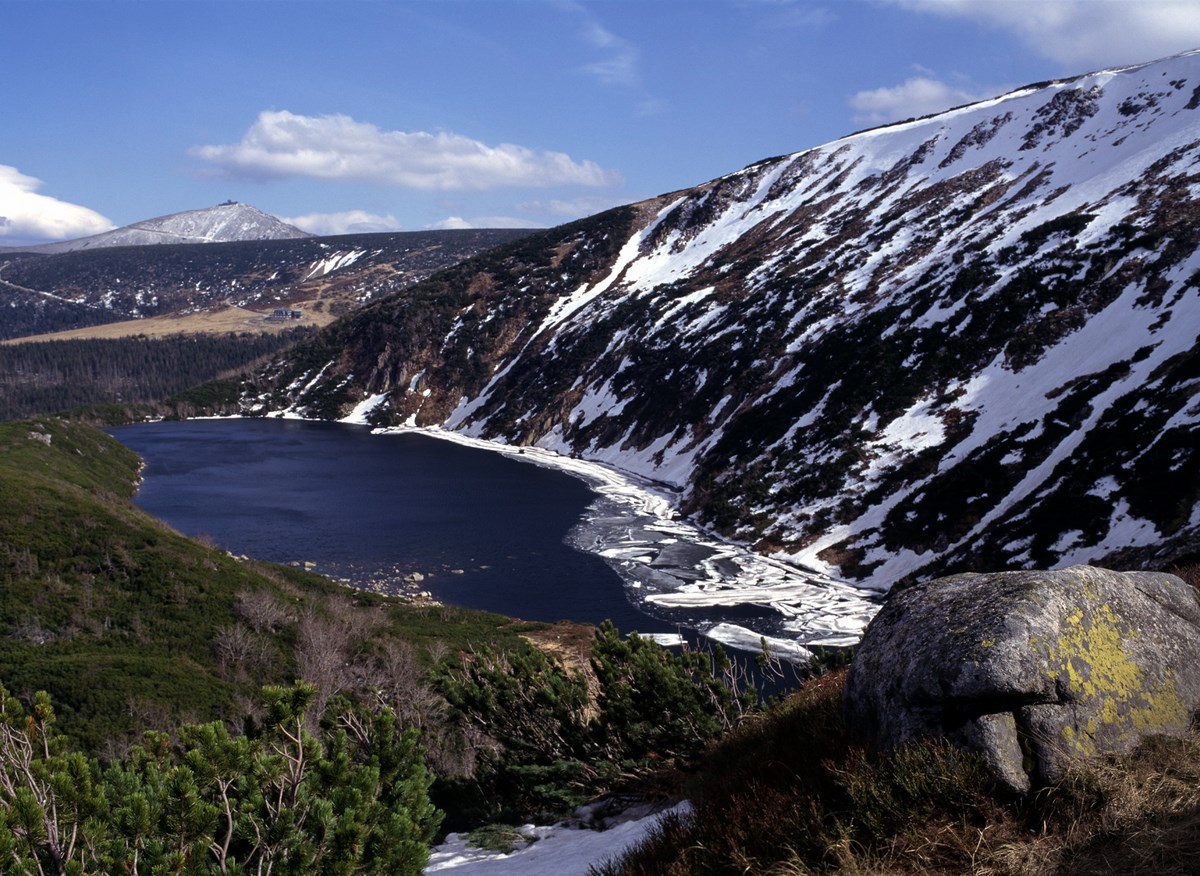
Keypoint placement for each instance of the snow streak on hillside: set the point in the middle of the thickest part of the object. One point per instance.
(963, 342)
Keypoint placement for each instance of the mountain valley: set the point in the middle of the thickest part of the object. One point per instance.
(961, 342)
(63, 289)
(966, 341)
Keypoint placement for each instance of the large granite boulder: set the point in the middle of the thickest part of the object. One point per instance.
(1030, 669)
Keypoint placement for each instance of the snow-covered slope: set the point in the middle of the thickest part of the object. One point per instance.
(965, 341)
(224, 223)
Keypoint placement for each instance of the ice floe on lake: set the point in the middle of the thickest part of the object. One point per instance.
(679, 573)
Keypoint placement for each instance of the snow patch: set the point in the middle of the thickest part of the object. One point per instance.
(337, 261)
(557, 850)
(362, 411)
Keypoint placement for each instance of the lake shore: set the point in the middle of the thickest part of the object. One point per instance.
(673, 568)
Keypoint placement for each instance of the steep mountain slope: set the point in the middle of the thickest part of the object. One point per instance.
(223, 223)
(44, 293)
(964, 341)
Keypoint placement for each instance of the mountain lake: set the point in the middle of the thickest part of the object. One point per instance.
(482, 530)
(519, 531)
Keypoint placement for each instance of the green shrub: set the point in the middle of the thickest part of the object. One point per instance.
(553, 736)
(655, 705)
(353, 799)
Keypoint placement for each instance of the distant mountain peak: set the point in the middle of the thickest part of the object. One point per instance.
(227, 222)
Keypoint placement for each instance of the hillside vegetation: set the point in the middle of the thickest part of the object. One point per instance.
(137, 662)
(333, 275)
(131, 626)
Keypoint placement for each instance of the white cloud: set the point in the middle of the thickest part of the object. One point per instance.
(619, 62)
(452, 223)
(281, 144)
(651, 106)
(27, 216)
(791, 14)
(1085, 33)
(568, 209)
(348, 222)
(918, 96)
(620, 65)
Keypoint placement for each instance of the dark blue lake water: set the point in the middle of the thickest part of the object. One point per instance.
(484, 530)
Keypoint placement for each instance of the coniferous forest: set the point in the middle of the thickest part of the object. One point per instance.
(45, 376)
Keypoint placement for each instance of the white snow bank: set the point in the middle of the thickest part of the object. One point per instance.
(559, 850)
(359, 416)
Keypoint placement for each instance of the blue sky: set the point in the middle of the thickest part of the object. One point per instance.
(342, 115)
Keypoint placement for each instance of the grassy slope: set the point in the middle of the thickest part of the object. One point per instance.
(117, 615)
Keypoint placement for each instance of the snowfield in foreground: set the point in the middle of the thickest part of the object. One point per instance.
(554, 851)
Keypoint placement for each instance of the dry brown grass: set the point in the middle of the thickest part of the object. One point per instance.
(566, 639)
(216, 322)
(1135, 814)
(572, 643)
(1189, 572)
(787, 796)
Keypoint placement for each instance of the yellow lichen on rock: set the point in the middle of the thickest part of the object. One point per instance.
(1091, 662)
(1031, 669)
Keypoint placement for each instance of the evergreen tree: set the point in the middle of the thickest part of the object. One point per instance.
(351, 799)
